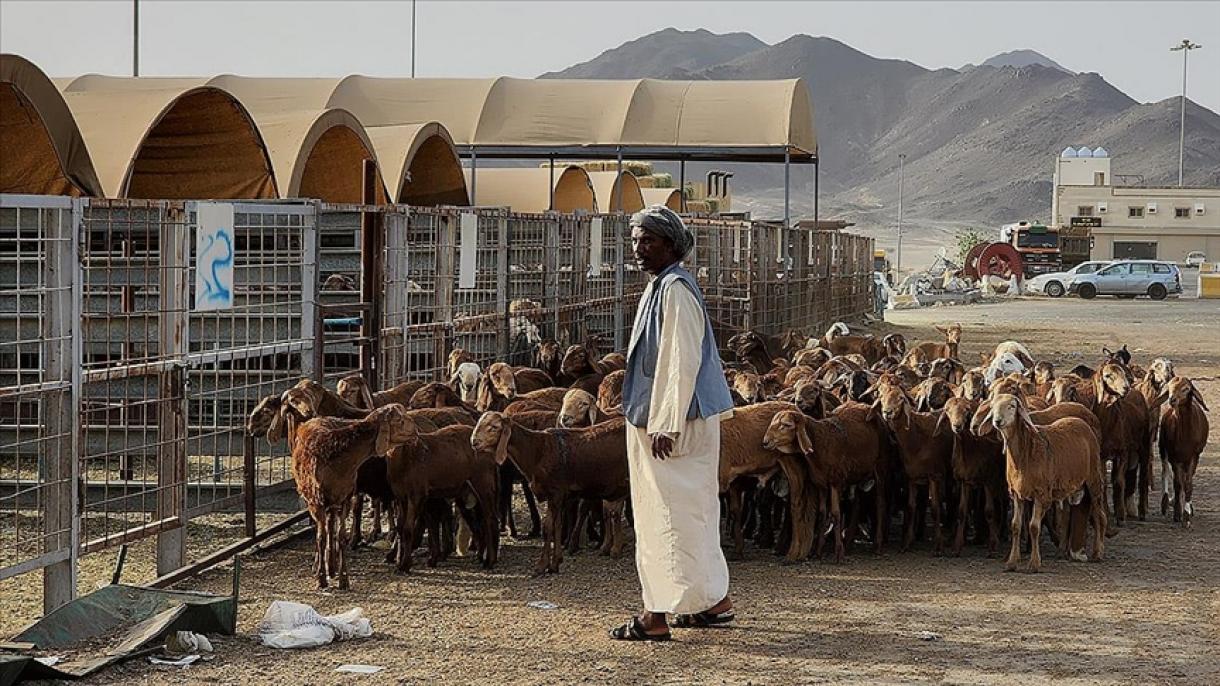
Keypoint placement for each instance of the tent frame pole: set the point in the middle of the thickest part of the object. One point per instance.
(551, 201)
(682, 183)
(618, 182)
(474, 176)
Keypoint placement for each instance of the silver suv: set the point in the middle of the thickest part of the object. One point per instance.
(1130, 278)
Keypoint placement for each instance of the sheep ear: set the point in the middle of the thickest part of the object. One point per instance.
(502, 446)
(483, 396)
(803, 440)
(367, 396)
(453, 383)
(1194, 392)
(275, 431)
(290, 422)
(872, 411)
(1050, 396)
(979, 425)
(592, 414)
(385, 435)
(940, 424)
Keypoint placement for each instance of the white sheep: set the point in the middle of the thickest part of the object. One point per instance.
(465, 380)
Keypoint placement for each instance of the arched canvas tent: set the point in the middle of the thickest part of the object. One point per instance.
(606, 189)
(528, 189)
(421, 163)
(43, 150)
(170, 139)
(669, 197)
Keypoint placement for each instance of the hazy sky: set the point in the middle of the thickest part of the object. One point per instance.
(1126, 42)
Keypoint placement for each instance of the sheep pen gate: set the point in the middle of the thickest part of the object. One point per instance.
(130, 371)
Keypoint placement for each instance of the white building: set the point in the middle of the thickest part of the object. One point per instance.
(1133, 221)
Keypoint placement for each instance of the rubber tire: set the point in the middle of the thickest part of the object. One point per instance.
(1054, 289)
(1087, 291)
(1157, 292)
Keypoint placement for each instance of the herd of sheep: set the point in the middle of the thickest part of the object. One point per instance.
(832, 437)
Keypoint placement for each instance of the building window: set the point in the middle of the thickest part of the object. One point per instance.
(1084, 211)
(1135, 212)
(1181, 212)
(1099, 178)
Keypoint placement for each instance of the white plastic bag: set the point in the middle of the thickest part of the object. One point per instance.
(295, 625)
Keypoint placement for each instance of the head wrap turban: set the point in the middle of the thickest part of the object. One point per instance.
(664, 222)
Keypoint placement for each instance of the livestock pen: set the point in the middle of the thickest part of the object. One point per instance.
(122, 402)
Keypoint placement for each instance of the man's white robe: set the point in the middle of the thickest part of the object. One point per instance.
(676, 501)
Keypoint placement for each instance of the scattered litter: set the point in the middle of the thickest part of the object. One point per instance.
(50, 660)
(295, 625)
(359, 669)
(928, 636)
(183, 642)
(183, 661)
(542, 605)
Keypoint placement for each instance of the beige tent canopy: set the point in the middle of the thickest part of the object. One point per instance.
(237, 137)
(606, 189)
(43, 150)
(528, 189)
(669, 197)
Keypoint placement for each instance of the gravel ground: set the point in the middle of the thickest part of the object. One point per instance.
(1149, 613)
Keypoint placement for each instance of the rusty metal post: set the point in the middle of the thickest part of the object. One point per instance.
(370, 276)
(176, 237)
(502, 301)
(446, 278)
(250, 485)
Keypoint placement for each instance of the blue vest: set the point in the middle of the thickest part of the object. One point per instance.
(711, 391)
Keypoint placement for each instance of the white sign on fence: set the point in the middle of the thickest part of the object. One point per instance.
(468, 250)
(595, 246)
(215, 250)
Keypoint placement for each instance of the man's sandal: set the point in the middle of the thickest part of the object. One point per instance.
(634, 631)
(703, 620)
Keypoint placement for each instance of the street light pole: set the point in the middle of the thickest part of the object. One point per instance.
(412, 38)
(135, 37)
(1185, 46)
(898, 258)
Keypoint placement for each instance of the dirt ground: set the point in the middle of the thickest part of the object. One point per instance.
(1150, 613)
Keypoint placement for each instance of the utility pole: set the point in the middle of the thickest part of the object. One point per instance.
(135, 37)
(1185, 46)
(412, 38)
(898, 257)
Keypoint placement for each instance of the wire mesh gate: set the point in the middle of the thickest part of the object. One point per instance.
(123, 405)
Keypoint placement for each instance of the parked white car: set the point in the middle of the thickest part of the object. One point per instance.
(1195, 258)
(1056, 284)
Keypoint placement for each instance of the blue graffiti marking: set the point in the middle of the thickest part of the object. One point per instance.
(213, 289)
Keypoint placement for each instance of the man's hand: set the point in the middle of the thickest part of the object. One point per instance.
(662, 446)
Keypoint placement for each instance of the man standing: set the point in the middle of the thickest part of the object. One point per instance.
(673, 396)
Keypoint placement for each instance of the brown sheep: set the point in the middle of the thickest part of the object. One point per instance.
(497, 389)
(561, 464)
(798, 374)
(1152, 386)
(441, 464)
(542, 399)
(614, 362)
(439, 395)
(931, 394)
(811, 357)
(547, 358)
(973, 386)
(1044, 377)
(1047, 465)
(326, 455)
(579, 362)
(925, 456)
(1183, 436)
(354, 390)
(1072, 388)
(581, 409)
(745, 386)
(895, 345)
(529, 380)
(978, 465)
(1125, 439)
(742, 454)
(841, 451)
(753, 349)
(929, 351)
(610, 392)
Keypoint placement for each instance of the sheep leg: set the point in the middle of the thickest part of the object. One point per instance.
(375, 534)
(556, 547)
(836, 521)
(1018, 516)
(319, 554)
(1179, 493)
(938, 533)
(506, 500)
(408, 516)
(341, 547)
(1145, 483)
(357, 512)
(1035, 532)
(735, 498)
(880, 493)
(1166, 485)
(908, 534)
(1064, 514)
(1078, 524)
(489, 547)
(990, 500)
(332, 542)
(548, 536)
(574, 535)
(963, 513)
(1188, 489)
(1097, 508)
(532, 504)
(820, 522)
(1118, 474)
(852, 530)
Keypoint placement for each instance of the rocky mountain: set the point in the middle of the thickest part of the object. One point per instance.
(979, 142)
(1021, 58)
